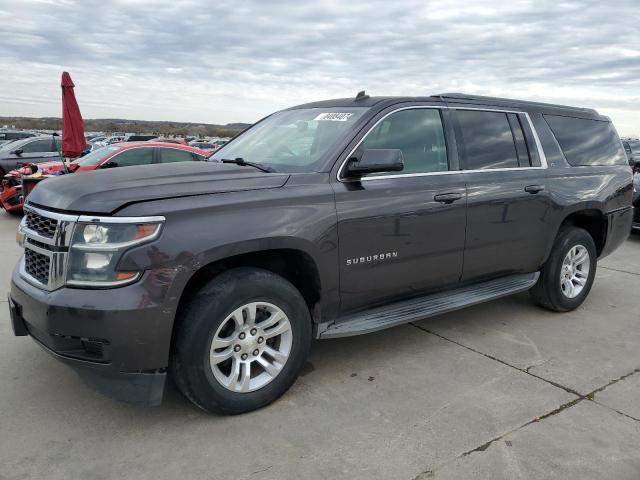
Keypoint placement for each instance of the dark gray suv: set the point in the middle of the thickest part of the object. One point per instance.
(325, 220)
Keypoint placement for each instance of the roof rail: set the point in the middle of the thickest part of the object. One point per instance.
(465, 96)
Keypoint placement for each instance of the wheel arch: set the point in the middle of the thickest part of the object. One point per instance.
(592, 219)
(294, 264)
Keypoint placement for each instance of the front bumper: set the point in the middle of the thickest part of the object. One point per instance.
(117, 340)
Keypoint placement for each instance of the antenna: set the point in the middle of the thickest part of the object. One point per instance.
(361, 96)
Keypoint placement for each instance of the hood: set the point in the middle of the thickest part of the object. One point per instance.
(104, 191)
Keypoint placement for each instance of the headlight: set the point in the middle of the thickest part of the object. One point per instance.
(96, 249)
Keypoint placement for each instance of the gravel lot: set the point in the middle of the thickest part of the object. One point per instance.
(501, 390)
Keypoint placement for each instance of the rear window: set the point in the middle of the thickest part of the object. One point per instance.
(587, 142)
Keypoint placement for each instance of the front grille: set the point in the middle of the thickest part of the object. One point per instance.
(47, 236)
(37, 265)
(43, 226)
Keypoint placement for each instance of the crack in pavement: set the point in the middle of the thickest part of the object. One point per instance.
(580, 397)
(561, 408)
(589, 396)
(618, 270)
(496, 359)
(616, 410)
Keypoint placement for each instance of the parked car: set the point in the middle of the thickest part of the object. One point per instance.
(325, 220)
(632, 149)
(7, 136)
(140, 138)
(29, 150)
(108, 141)
(208, 146)
(180, 141)
(119, 155)
(636, 195)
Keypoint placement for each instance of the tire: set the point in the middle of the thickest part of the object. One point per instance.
(550, 292)
(209, 315)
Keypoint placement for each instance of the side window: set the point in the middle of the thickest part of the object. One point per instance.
(38, 146)
(418, 133)
(170, 155)
(134, 156)
(587, 142)
(486, 140)
(518, 137)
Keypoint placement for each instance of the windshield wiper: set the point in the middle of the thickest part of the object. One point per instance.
(242, 163)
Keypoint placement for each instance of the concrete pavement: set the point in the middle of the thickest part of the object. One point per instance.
(501, 390)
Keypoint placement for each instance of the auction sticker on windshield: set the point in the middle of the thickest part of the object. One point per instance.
(334, 117)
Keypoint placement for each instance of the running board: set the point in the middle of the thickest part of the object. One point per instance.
(428, 306)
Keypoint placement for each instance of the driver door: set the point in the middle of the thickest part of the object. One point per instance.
(402, 233)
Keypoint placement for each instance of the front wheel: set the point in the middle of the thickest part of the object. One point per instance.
(567, 276)
(242, 341)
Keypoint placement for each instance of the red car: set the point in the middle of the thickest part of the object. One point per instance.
(119, 155)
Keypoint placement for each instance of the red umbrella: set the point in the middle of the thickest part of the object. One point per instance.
(73, 141)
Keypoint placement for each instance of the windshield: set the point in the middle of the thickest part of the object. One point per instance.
(95, 157)
(293, 140)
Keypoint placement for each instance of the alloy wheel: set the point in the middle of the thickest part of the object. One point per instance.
(251, 347)
(575, 271)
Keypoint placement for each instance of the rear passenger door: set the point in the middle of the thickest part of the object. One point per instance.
(507, 201)
(396, 239)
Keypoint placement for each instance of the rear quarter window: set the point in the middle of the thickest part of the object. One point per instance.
(587, 142)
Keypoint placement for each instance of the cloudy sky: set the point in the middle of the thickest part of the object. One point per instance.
(227, 61)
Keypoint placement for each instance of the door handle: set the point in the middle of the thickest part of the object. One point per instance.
(533, 188)
(447, 197)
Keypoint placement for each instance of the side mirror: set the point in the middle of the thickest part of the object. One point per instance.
(17, 152)
(375, 161)
(109, 164)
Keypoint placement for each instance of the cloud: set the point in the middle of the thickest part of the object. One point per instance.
(228, 61)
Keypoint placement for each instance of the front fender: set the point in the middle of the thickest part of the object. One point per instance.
(209, 228)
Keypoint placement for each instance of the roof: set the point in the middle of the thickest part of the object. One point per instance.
(456, 98)
(179, 146)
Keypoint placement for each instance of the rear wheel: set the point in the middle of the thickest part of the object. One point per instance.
(567, 276)
(242, 341)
